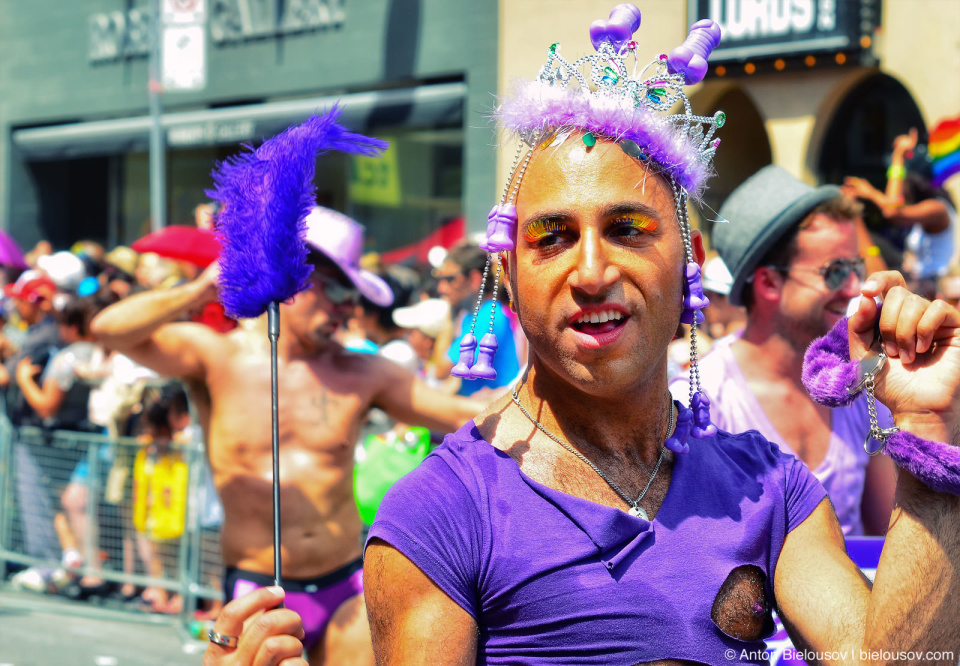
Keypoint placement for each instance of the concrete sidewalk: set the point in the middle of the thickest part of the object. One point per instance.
(41, 630)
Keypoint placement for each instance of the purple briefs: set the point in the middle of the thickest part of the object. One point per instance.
(315, 600)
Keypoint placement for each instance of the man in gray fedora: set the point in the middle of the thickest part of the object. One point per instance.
(792, 251)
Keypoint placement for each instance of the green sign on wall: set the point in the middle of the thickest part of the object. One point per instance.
(376, 180)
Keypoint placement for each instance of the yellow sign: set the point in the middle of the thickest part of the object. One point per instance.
(376, 180)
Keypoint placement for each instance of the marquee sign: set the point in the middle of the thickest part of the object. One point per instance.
(774, 28)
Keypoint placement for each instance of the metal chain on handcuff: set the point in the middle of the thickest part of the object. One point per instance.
(635, 509)
(869, 374)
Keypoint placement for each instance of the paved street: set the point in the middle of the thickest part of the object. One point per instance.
(38, 630)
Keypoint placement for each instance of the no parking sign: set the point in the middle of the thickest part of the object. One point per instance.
(183, 44)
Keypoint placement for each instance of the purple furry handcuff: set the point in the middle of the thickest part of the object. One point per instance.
(833, 380)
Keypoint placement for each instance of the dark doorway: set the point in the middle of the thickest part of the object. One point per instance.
(73, 200)
(860, 136)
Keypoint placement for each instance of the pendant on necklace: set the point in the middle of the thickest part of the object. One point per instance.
(638, 512)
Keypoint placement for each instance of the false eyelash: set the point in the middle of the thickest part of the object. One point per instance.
(539, 229)
(637, 222)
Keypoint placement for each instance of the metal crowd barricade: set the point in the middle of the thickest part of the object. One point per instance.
(37, 465)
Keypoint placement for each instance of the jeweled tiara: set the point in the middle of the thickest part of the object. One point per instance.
(607, 93)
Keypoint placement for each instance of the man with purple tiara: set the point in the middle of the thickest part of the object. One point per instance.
(589, 518)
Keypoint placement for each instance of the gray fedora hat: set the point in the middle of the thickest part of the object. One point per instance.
(758, 213)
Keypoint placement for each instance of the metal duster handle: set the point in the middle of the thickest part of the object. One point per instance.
(273, 332)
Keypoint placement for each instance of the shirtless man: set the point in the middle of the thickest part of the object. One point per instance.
(324, 393)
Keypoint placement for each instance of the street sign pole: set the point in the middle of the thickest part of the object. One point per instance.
(158, 161)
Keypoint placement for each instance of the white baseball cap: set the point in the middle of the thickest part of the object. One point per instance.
(716, 277)
(429, 316)
(64, 268)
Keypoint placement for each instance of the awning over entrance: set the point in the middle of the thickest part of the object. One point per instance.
(421, 106)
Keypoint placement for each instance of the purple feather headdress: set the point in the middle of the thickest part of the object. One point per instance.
(265, 196)
(599, 94)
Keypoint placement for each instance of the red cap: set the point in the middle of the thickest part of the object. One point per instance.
(31, 286)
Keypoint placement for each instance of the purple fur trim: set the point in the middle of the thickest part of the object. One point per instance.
(935, 464)
(534, 107)
(828, 370)
(266, 194)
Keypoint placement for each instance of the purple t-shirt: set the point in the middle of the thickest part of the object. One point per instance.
(735, 408)
(554, 579)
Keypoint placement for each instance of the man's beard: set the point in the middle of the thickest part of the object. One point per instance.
(800, 332)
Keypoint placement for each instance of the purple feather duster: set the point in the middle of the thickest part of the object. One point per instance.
(266, 194)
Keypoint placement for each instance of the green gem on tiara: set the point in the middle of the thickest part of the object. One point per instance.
(659, 91)
(609, 73)
(589, 139)
(720, 117)
(553, 47)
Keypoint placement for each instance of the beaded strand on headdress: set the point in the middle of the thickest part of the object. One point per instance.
(468, 343)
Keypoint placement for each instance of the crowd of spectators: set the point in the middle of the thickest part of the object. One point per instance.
(56, 377)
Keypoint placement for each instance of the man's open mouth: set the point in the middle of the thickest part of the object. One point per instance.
(598, 323)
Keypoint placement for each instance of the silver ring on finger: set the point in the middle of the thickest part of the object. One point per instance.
(223, 640)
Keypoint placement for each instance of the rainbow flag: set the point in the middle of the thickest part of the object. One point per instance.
(944, 147)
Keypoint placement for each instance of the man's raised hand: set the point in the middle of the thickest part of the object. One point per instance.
(921, 383)
(265, 637)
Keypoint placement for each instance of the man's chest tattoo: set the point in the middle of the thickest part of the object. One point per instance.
(322, 403)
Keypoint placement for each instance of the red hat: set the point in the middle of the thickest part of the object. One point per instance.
(31, 286)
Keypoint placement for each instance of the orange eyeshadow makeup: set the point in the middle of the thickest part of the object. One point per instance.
(641, 222)
(540, 229)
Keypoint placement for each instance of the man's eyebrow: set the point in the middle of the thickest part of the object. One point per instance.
(631, 208)
(547, 216)
(608, 212)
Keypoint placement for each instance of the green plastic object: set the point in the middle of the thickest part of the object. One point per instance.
(388, 458)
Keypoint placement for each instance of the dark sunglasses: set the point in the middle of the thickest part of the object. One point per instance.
(446, 278)
(337, 292)
(835, 273)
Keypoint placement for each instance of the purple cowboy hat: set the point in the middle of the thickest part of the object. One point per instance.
(341, 240)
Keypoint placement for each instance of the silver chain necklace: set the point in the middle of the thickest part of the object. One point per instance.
(635, 508)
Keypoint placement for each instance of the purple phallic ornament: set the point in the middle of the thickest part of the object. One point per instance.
(690, 58)
(700, 405)
(677, 442)
(491, 227)
(624, 21)
(463, 368)
(483, 368)
(501, 228)
(693, 298)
